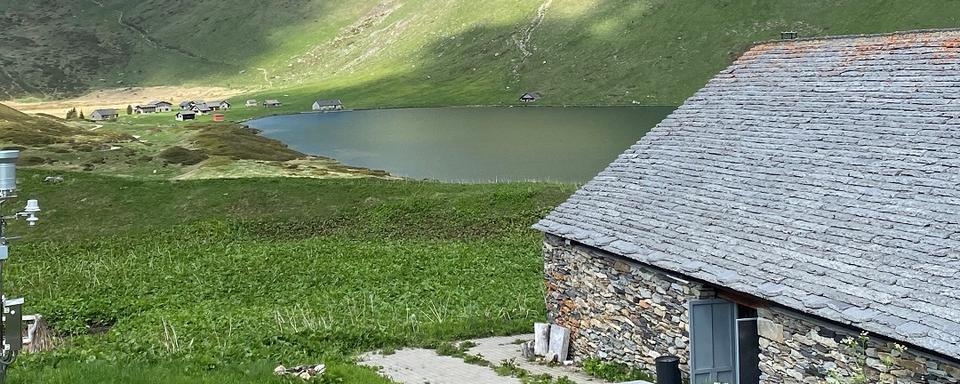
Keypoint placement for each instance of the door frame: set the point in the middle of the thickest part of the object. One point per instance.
(736, 334)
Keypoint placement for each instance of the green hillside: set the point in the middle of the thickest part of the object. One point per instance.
(18, 129)
(417, 52)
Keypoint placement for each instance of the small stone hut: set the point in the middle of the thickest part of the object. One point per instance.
(327, 105)
(530, 97)
(186, 115)
(104, 114)
(218, 105)
(807, 195)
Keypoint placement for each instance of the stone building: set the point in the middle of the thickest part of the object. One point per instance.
(327, 105)
(807, 195)
(104, 114)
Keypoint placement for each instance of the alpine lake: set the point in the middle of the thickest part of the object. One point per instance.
(482, 144)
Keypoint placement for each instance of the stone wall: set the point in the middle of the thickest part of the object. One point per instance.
(624, 311)
(797, 349)
(617, 309)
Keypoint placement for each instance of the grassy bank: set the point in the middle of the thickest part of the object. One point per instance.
(208, 281)
(158, 147)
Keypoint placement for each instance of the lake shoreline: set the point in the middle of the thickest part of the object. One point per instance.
(462, 144)
(444, 107)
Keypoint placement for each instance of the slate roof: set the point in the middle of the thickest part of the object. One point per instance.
(531, 96)
(105, 112)
(822, 175)
(328, 103)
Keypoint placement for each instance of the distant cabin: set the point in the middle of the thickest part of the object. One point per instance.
(251, 103)
(153, 107)
(104, 114)
(201, 108)
(190, 104)
(272, 103)
(327, 105)
(530, 97)
(145, 108)
(186, 115)
(218, 105)
(163, 106)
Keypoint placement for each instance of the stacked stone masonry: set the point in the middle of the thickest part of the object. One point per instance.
(621, 310)
(797, 349)
(616, 309)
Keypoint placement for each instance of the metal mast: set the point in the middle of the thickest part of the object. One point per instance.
(11, 326)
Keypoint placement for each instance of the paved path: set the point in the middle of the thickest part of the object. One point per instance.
(498, 349)
(420, 366)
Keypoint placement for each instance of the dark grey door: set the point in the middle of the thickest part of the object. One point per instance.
(713, 342)
(749, 353)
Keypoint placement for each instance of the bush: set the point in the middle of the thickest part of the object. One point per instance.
(181, 155)
(31, 160)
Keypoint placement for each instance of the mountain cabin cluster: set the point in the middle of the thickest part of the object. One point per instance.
(190, 109)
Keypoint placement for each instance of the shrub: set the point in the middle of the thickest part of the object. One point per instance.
(181, 155)
(31, 160)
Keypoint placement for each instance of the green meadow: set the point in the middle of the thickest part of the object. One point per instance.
(218, 281)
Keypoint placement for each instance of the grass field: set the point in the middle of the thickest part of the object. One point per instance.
(215, 280)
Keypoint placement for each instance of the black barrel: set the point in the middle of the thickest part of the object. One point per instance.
(668, 370)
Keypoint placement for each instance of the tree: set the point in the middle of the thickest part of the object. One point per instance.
(129, 109)
(81, 115)
(72, 113)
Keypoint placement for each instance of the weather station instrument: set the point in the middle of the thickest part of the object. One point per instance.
(11, 326)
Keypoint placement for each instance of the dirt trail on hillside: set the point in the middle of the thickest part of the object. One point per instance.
(121, 97)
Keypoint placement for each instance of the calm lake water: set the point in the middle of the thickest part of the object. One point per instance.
(470, 144)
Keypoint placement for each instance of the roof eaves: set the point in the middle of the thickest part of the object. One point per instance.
(852, 36)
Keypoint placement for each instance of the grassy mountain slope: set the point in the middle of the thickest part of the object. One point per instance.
(419, 52)
(20, 129)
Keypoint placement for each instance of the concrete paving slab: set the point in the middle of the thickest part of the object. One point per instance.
(498, 349)
(421, 366)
